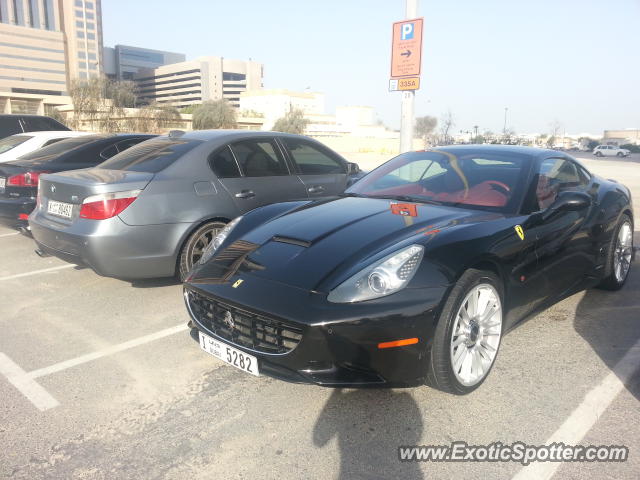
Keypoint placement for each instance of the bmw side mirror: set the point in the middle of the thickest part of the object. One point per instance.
(567, 202)
(352, 168)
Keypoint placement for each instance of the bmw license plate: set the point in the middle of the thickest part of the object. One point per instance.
(228, 354)
(60, 209)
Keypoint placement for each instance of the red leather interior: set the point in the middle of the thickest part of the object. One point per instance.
(482, 194)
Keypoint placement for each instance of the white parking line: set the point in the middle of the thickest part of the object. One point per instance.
(57, 367)
(36, 272)
(9, 234)
(586, 414)
(27, 386)
(25, 381)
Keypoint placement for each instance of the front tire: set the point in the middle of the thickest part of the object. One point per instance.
(619, 254)
(620, 154)
(195, 245)
(468, 334)
(598, 154)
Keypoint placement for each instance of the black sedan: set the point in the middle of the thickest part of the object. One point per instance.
(415, 273)
(19, 178)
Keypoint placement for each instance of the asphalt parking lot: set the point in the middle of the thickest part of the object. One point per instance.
(99, 379)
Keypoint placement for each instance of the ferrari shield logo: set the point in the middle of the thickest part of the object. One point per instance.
(519, 231)
(238, 283)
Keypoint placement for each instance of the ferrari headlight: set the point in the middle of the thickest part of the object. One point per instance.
(382, 278)
(218, 240)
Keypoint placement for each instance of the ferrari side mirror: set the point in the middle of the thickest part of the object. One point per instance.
(567, 202)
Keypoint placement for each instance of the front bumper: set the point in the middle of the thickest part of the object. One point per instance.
(111, 247)
(11, 209)
(339, 342)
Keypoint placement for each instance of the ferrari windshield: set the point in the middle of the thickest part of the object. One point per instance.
(472, 178)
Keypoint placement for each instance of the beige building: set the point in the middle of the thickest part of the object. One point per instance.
(44, 44)
(622, 137)
(196, 81)
(275, 103)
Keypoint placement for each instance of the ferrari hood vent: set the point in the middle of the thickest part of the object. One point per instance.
(292, 241)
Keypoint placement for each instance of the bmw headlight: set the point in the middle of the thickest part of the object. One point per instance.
(218, 240)
(382, 278)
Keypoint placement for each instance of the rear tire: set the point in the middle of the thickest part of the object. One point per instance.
(619, 254)
(467, 338)
(195, 245)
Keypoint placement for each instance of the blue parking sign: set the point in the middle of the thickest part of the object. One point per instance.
(406, 32)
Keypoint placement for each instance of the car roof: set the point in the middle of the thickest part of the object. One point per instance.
(501, 149)
(227, 135)
(52, 134)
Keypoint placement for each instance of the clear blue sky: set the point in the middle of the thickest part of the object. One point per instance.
(575, 61)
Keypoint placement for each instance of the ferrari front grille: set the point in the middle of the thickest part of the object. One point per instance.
(242, 328)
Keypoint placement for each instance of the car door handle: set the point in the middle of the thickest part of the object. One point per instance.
(315, 189)
(245, 194)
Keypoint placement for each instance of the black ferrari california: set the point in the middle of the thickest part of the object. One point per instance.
(415, 273)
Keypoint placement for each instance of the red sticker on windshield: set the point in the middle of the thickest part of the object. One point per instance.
(404, 209)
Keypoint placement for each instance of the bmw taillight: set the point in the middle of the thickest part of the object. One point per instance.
(28, 179)
(107, 205)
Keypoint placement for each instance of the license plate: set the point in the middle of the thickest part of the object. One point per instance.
(230, 355)
(60, 209)
(3, 183)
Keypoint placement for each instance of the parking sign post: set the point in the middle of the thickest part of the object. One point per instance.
(406, 54)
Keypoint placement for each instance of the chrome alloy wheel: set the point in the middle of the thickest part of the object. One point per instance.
(476, 334)
(201, 243)
(623, 251)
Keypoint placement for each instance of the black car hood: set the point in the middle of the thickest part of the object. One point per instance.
(304, 246)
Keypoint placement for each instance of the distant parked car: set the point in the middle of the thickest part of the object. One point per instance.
(610, 151)
(17, 145)
(19, 178)
(152, 211)
(12, 124)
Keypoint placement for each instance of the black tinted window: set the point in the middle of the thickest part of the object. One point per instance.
(63, 146)
(108, 152)
(259, 158)
(9, 126)
(33, 124)
(554, 176)
(151, 156)
(224, 164)
(312, 159)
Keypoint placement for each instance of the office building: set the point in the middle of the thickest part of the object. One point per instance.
(123, 62)
(45, 45)
(196, 81)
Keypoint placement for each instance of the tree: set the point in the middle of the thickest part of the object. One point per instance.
(446, 123)
(155, 118)
(214, 114)
(292, 122)
(555, 127)
(425, 127)
(101, 103)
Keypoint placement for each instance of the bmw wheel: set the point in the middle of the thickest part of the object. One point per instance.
(468, 334)
(619, 255)
(195, 246)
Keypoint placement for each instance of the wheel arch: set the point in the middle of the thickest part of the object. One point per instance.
(189, 232)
